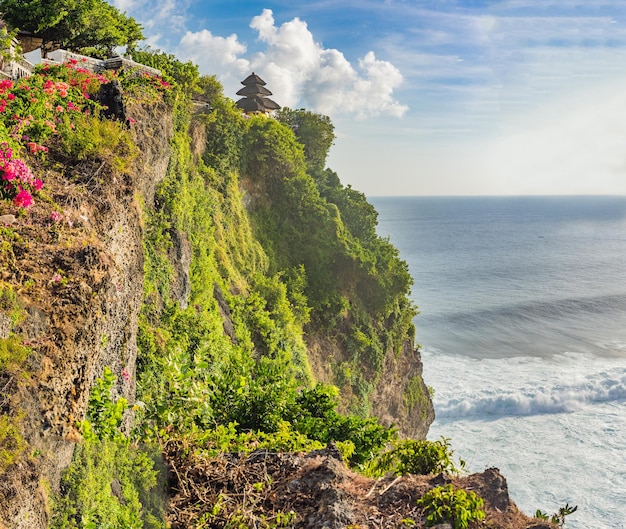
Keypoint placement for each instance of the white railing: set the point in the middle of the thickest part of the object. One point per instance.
(63, 56)
(19, 68)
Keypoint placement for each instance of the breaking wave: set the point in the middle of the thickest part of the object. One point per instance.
(601, 388)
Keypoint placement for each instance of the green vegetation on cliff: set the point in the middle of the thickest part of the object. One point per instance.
(251, 249)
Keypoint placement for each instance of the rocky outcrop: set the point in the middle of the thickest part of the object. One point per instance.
(315, 490)
(111, 97)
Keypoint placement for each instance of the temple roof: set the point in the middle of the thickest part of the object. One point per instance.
(253, 90)
(257, 104)
(253, 79)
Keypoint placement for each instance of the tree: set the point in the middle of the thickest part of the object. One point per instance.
(185, 74)
(73, 24)
(315, 131)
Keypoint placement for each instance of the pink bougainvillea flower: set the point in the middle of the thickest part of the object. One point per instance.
(55, 216)
(23, 199)
(125, 375)
(56, 278)
(48, 87)
(37, 184)
(59, 108)
(8, 173)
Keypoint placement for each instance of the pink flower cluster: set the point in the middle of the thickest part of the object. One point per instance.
(5, 86)
(16, 179)
(158, 82)
(55, 216)
(50, 87)
(35, 148)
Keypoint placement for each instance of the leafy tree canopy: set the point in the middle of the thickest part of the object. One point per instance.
(73, 24)
(315, 131)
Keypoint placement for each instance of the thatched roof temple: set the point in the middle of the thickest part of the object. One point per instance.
(255, 98)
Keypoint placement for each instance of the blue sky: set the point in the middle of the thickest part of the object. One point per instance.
(437, 97)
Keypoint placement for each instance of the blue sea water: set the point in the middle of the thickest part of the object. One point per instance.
(523, 328)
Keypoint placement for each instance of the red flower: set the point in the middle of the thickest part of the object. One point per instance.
(9, 174)
(23, 199)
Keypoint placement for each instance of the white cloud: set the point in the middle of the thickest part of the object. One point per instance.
(125, 5)
(215, 54)
(302, 72)
(158, 17)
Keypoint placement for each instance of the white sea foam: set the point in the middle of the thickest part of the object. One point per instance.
(531, 400)
(555, 427)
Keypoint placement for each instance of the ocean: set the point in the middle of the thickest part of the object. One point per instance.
(523, 331)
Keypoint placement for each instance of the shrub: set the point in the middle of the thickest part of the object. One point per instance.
(316, 416)
(449, 504)
(92, 137)
(12, 353)
(104, 416)
(12, 357)
(416, 457)
(557, 517)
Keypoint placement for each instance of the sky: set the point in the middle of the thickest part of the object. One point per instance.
(429, 97)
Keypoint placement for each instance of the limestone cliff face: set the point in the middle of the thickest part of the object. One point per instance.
(86, 289)
(400, 396)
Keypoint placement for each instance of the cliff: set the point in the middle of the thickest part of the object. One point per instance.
(106, 254)
(178, 287)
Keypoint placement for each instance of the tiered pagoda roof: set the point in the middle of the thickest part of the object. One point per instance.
(255, 96)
